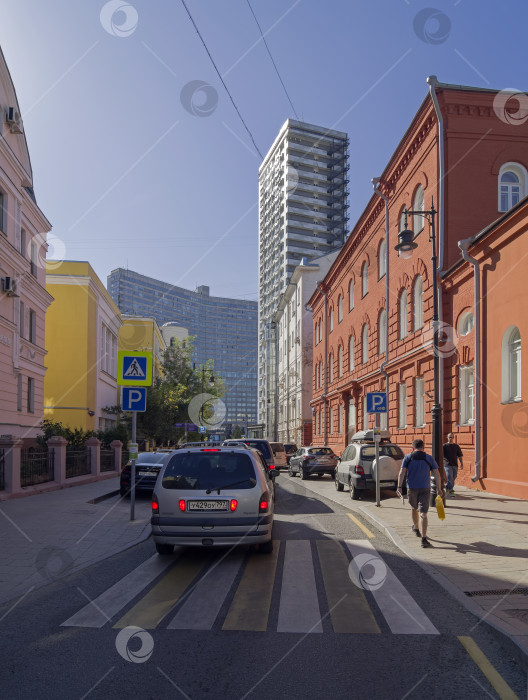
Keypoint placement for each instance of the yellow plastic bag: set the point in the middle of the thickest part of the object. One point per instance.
(440, 507)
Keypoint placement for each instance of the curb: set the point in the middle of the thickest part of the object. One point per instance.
(104, 497)
(495, 623)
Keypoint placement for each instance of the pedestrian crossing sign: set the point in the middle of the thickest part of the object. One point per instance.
(134, 369)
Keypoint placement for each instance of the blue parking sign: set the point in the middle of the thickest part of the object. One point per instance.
(376, 402)
(134, 398)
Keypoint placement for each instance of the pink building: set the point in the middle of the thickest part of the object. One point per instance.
(23, 296)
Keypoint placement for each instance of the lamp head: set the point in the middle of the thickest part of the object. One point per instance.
(406, 244)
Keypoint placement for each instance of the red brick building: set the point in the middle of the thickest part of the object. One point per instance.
(467, 150)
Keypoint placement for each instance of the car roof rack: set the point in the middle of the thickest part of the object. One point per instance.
(368, 436)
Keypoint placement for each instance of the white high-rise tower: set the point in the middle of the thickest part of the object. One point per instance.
(302, 214)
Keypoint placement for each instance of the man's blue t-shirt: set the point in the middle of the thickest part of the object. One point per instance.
(419, 466)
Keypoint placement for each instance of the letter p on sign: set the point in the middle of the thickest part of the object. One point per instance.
(376, 402)
(134, 398)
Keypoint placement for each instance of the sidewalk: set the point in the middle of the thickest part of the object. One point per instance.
(50, 535)
(481, 548)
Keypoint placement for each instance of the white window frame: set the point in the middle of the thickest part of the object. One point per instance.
(466, 387)
(340, 309)
(402, 405)
(331, 420)
(351, 295)
(403, 315)
(340, 361)
(364, 279)
(418, 205)
(511, 365)
(330, 368)
(351, 353)
(419, 402)
(331, 320)
(521, 173)
(364, 344)
(418, 303)
(382, 259)
(382, 332)
(340, 418)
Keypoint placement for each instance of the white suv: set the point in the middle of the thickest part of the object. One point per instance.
(357, 466)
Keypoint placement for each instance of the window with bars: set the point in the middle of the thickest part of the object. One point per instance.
(466, 395)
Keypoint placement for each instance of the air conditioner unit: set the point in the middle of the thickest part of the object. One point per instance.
(9, 285)
(14, 120)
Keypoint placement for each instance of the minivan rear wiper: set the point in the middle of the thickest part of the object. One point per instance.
(227, 486)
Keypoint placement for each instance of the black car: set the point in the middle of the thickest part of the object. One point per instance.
(148, 465)
(291, 449)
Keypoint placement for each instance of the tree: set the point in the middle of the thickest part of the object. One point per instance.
(171, 393)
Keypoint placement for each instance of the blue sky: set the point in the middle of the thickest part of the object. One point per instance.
(129, 176)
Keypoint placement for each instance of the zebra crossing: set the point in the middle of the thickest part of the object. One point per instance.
(194, 591)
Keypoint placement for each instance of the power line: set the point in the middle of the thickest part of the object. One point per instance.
(271, 57)
(222, 80)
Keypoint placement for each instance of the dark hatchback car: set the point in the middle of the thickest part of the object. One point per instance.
(313, 460)
(148, 465)
(291, 449)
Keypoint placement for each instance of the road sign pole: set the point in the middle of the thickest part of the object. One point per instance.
(133, 470)
(377, 438)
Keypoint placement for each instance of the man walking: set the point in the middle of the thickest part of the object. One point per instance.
(417, 467)
(452, 453)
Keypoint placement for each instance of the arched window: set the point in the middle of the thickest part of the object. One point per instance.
(330, 368)
(351, 295)
(403, 314)
(511, 365)
(340, 309)
(331, 320)
(382, 259)
(382, 332)
(418, 205)
(364, 343)
(351, 353)
(340, 361)
(512, 185)
(364, 279)
(418, 303)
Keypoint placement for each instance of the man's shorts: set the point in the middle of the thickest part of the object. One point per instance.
(419, 499)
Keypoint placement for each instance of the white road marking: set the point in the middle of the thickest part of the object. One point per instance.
(299, 608)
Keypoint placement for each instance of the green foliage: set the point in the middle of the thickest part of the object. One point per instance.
(77, 437)
(237, 432)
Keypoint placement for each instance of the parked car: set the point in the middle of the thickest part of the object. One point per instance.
(208, 497)
(291, 449)
(313, 460)
(356, 468)
(148, 465)
(280, 455)
(262, 445)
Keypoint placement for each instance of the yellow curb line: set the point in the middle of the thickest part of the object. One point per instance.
(500, 686)
(367, 532)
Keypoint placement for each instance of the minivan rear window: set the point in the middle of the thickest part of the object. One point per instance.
(385, 451)
(199, 471)
(277, 447)
(261, 445)
(320, 451)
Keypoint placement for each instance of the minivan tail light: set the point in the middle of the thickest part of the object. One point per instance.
(263, 503)
(359, 470)
(209, 449)
(155, 505)
(233, 503)
(181, 504)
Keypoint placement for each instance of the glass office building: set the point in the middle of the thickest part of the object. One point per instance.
(225, 331)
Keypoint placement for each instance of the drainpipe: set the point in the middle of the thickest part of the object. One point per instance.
(464, 245)
(375, 182)
(325, 390)
(432, 81)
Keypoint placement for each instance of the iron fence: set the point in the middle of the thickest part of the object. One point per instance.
(107, 460)
(2, 470)
(36, 467)
(77, 463)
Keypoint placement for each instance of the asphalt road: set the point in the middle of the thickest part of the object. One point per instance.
(336, 611)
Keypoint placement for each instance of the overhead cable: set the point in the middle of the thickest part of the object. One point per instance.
(271, 57)
(222, 80)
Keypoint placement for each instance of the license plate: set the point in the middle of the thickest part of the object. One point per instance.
(146, 474)
(207, 505)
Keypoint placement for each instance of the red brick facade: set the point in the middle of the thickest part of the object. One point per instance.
(477, 142)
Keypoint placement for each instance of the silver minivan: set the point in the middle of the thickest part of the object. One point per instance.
(280, 455)
(206, 497)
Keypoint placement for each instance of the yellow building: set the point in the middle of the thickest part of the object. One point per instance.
(143, 333)
(82, 327)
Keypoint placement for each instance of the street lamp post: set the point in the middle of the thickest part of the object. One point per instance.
(405, 247)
